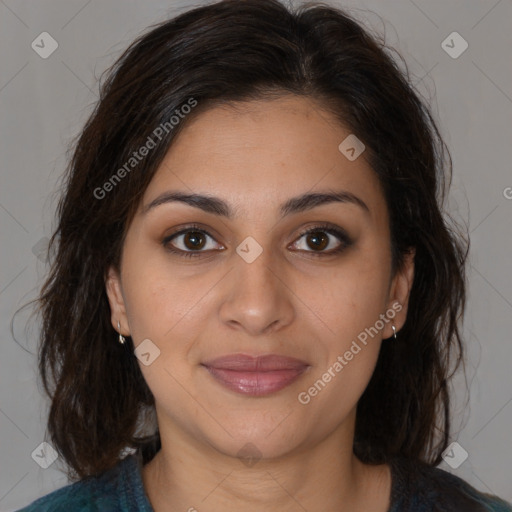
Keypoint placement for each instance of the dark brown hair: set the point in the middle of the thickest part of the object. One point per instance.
(237, 51)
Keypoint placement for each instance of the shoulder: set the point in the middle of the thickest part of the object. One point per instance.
(418, 487)
(105, 492)
(84, 496)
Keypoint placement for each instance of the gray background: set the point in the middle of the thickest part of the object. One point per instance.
(44, 102)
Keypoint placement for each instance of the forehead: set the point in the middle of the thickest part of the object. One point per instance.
(260, 153)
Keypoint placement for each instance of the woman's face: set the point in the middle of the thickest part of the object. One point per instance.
(252, 283)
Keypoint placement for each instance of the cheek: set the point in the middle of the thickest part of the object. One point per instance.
(346, 299)
(164, 311)
(350, 349)
(347, 304)
(159, 308)
(171, 310)
(156, 296)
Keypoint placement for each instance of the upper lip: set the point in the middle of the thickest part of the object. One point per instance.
(264, 363)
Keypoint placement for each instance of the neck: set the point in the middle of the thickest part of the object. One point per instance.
(187, 475)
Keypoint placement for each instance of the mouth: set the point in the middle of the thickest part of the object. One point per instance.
(255, 376)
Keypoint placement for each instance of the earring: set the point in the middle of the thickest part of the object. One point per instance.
(394, 331)
(122, 339)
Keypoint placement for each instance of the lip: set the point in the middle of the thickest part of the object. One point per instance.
(255, 376)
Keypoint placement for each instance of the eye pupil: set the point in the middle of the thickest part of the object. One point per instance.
(320, 241)
(194, 236)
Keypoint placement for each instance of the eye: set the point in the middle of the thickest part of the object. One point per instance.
(318, 237)
(193, 240)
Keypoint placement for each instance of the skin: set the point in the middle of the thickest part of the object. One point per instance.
(255, 157)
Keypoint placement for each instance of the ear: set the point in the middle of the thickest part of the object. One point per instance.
(400, 290)
(116, 301)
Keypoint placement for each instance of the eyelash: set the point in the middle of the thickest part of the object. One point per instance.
(322, 228)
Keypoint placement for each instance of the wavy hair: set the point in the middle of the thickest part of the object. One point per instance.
(222, 53)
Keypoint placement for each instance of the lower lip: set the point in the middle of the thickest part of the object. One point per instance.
(255, 383)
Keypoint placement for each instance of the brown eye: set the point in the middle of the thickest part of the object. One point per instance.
(194, 240)
(319, 238)
(189, 242)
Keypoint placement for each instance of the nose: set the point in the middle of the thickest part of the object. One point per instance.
(258, 298)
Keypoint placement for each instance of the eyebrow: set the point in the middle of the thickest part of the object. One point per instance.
(217, 206)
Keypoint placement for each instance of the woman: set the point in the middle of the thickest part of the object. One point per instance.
(255, 292)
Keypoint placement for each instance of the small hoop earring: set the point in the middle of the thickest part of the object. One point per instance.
(394, 331)
(122, 339)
